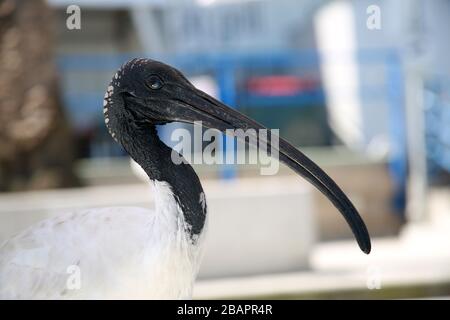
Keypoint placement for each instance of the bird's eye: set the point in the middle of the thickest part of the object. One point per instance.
(155, 82)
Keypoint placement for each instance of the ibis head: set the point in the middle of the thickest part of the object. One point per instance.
(147, 92)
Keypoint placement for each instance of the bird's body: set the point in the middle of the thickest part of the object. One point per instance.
(132, 252)
(104, 253)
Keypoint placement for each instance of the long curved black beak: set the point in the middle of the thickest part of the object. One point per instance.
(199, 106)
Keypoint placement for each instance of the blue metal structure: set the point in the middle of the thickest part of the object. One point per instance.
(398, 161)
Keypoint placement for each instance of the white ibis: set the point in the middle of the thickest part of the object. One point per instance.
(128, 252)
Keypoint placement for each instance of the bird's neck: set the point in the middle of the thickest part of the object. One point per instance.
(145, 147)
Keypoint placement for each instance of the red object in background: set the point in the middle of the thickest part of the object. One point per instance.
(280, 85)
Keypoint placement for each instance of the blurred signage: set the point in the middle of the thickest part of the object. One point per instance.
(106, 4)
(283, 85)
(230, 25)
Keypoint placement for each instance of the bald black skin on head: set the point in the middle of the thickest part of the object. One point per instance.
(134, 127)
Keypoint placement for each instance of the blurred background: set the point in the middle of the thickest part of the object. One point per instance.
(362, 87)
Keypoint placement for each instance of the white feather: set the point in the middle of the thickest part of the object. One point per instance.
(120, 252)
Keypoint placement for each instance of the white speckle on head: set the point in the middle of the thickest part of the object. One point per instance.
(110, 89)
(106, 120)
(105, 110)
(116, 76)
(106, 95)
(105, 102)
(202, 200)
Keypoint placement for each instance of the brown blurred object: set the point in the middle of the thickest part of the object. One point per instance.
(370, 188)
(36, 147)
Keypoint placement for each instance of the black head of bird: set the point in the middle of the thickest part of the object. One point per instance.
(144, 93)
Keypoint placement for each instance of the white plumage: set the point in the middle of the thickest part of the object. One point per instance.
(119, 252)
